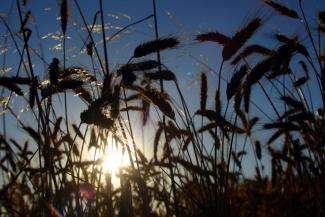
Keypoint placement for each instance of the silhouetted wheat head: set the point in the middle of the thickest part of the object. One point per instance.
(198, 161)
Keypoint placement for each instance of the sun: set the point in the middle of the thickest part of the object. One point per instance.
(112, 163)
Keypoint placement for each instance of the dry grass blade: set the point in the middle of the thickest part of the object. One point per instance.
(304, 68)
(32, 93)
(70, 84)
(283, 56)
(251, 123)
(54, 71)
(93, 140)
(75, 85)
(4, 142)
(64, 13)
(321, 28)
(128, 78)
(14, 142)
(26, 18)
(9, 158)
(67, 138)
(115, 102)
(77, 71)
(279, 69)
(235, 82)
(56, 128)
(107, 86)
(217, 102)
(175, 132)
(156, 141)
(142, 157)
(237, 101)
(252, 49)
(204, 91)
(140, 66)
(236, 159)
(83, 94)
(287, 114)
(282, 38)
(223, 124)
(16, 80)
(165, 75)
(321, 17)
(77, 131)
(247, 96)
(242, 117)
(283, 125)
(90, 48)
(154, 46)
(210, 114)
(214, 37)
(240, 38)
(12, 86)
(186, 143)
(131, 108)
(322, 77)
(301, 49)
(258, 150)
(300, 117)
(96, 117)
(283, 10)
(190, 167)
(276, 135)
(145, 111)
(133, 97)
(293, 103)
(321, 58)
(11, 83)
(49, 91)
(300, 81)
(241, 153)
(28, 33)
(126, 208)
(160, 100)
(285, 39)
(259, 71)
(35, 135)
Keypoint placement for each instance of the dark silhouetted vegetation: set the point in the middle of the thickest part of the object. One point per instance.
(196, 168)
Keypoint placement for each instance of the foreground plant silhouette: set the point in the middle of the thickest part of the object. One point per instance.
(196, 168)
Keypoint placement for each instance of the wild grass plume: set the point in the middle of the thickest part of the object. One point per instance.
(247, 141)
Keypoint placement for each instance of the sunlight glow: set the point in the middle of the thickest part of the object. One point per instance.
(112, 162)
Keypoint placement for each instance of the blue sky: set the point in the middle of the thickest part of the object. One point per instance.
(181, 18)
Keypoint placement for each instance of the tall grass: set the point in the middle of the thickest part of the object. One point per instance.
(197, 166)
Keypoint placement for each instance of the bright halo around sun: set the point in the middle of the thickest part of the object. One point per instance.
(112, 161)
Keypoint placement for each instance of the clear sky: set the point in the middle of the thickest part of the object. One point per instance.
(179, 18)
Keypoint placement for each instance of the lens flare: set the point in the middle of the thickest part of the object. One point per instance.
(87, 191)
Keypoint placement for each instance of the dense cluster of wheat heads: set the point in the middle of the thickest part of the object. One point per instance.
(197, 164)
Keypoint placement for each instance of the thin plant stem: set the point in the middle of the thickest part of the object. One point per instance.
(164, 118)
(104, 37)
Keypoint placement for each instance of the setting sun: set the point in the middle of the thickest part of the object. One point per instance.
(112, 162)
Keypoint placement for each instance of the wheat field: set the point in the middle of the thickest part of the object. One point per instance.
(90, 139)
